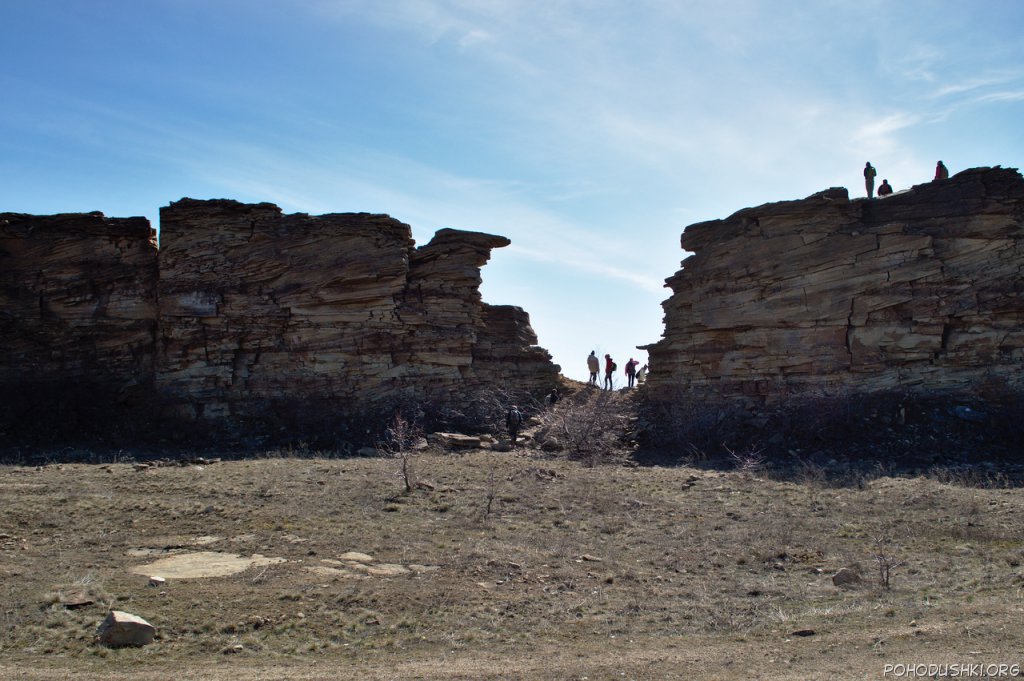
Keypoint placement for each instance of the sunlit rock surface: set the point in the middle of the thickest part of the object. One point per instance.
(918, 292)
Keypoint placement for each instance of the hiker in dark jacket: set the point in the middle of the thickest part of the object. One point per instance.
(631, 371)
(513, 421)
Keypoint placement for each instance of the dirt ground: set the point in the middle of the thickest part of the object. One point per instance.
(521, 565)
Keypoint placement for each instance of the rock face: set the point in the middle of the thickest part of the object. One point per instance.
(245, 309)
(338, 309)
(77, 323)
(77, 298)
(917, 292)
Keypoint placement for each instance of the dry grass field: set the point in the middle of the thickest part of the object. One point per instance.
(521, 565)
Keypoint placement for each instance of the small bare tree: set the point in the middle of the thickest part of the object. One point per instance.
(886, 562)
(492, 491)
(399, 443)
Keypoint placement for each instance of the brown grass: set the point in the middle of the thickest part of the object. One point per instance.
(536, 567)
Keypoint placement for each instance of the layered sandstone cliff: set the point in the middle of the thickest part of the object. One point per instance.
(256, 305)
(77, 300)
(918, 292)
(248, 313)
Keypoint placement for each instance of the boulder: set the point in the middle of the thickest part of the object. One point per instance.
(846, 577)
(121, 629)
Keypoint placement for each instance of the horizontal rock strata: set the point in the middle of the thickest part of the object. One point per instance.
(256, 305)
(920, 291)
(77, 300)
(244, 309)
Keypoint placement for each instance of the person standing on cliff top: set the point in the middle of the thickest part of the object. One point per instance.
(885, 188)
(869, 178)
(941, 172)
(593, 365)
(609, 369)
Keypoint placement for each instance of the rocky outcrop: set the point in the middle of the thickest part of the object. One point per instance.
(919, 292)
(506, 352)
(256, 305)
(341, 309)
(249, 313)
(77, 301)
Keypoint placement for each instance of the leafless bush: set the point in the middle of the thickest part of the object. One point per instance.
(887, 562)
(749, 460)
(484, 410)
(399, 443)
(588, 424)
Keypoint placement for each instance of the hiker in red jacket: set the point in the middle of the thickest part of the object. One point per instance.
(609, 369)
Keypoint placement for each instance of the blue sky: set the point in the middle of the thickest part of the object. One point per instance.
(588, 132)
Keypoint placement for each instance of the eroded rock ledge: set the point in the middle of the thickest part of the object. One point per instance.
(246, 312)
(919, 292)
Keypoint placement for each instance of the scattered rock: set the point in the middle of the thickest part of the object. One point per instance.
(971, 415)
(121, 629)
(205, 540)
(454, 440)
(846, 577)
(551, 445)
(536, 473)
(328, 571)
(382, 569)
(804, 632)
(73, 600)
(356, 557)
(423, 568)
(155, 580)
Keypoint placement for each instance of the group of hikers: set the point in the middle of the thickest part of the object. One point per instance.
(633, 374)
(884, 189)
(514, 417)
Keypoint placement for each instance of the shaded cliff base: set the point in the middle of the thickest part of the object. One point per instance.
(841, 437)
(835, 440)
(72, 421)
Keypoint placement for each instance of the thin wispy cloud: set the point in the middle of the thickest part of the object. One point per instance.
(589, 133)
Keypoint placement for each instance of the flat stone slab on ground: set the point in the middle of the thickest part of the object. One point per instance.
(203, 564)
(455, 440)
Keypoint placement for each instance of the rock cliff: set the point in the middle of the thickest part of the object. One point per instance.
(77, 300)
(341, 309)
(919, 292)
(248, 314)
